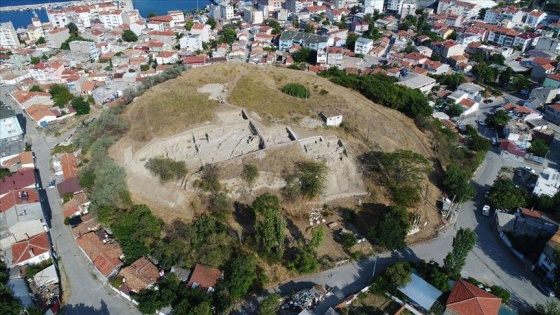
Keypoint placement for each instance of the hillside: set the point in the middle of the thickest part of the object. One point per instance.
(185, 119)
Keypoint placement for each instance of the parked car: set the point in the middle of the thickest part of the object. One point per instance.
(546, 290)
(486, 210)
(487, 194)
(487, 101)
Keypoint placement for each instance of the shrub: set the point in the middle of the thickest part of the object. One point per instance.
(167, 169)
(250, 173)
(34, 269)
(296, 89)
(501, 293)
(348, 240)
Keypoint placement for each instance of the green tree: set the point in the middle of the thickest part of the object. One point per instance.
(212, 23)
(302, 55)
(80, 106)
(241, 273)
(505, 77)
(41, 40)
(129, 36)
(501, 293)
(60, 94)
(210, 178)
(455, 260)
(189, 24)
(303, 262)
(348, 240)
(402, 168)
(482, 13)
(499, 118)
(538, 147)
(549, 308)
(453, 35)
(35, 60)
(73, 29)
(311, 177)
(35, 88)
(456, 182)
(309, 28)
(9, 305)
(391, 229)
(351, 41)
(393, 277)
(152, 14)
(317, 236)
(505, 195)
(270, 226)
(167, 169)
(520, 83)
(269, 305)
(439, 279)
(455, 110)
(296, 89)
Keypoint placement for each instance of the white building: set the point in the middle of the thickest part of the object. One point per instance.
(548, 183)
(112, 18)
(363, 45)
(331, 117)
(417, 81)
(408, 7)
(253, 16)
(8, 36)
(226, 11)
(203, 30)
(546, 259)
(30, 252)
(191, 42)
(534, 18)
(370, 6)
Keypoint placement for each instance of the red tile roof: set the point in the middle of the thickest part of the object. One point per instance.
(531, 213)
(25, 250)
(18, 197)
(69, 165)
(204, 276)
(467, 299)
(105, 257)
(19, 180)
(140, 275)
(506, 145)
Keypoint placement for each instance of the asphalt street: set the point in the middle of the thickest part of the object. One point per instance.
(88, 293)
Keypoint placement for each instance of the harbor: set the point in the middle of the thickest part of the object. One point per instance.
(33, 7)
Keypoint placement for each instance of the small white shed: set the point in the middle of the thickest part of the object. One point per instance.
(331, 117)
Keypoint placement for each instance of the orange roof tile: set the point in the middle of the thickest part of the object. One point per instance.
(105, 257)
(467, 299)
(18, 197)
(25, 250)
(140, 275)
(204, 276)
(69, 165)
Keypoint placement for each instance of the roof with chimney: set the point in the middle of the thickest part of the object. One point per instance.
(467, 299)
(25, 250)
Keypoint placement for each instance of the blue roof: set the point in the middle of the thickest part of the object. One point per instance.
(420, 292)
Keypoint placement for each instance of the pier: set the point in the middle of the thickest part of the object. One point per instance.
(40, 6)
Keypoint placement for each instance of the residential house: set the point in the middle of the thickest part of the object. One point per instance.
(415, 58)
(29, 252)
(178, 16)
(552, 81)
(20, 180)
(473, 91)
(547, 258)
(68, 186)
(508, 147)
(312, 41)
(467, 299)
(166, 37)
(502, 36)
(10, 131)
(21, 217)
(42, 115)
(363, 46)
(417, 81)
(534, 18)
(191, 42)
(84, 47)
(69, 165)
(77, 206)
(552, 113)
(337, 14)
(551, 45)
(141, 274)
(469, 106)
(253, 16)
(451, 49)
(548, 183)
(102, 253)
(166, 57)
(525, 41)
(496, 15)
(203, 30)
(505, 222)
(204, 277)
(436, 67)
(22, 160)
(542, 70)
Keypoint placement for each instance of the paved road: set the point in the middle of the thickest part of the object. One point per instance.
(87, 293)
(490, 261)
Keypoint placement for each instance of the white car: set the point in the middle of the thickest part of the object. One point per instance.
(486, 210)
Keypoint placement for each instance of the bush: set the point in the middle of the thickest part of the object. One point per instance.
(250, 173)
(501, 293)
(32, 270)
(167, 169)
(348, 240)
(210, 179)
(296, 89)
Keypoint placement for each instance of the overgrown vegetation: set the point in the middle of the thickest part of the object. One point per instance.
(307, 180)
(32, 270)
(250, 173)
(296, 89)
(167, 169)
(455, 260)
(391, 278)
(270, 225)
(383, 90)
(391, 229)
(506, 195)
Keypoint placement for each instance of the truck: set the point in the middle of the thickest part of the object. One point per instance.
(486, 210)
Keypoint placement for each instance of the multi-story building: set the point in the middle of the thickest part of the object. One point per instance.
(178, 16)
(370, 6)
(549, 44)
(502, 36)
(552, 112)
(253, 16)
(56, 37)
(226, 11)
(203, 30)
(363, 45)
(496, 15)
(534, 18)
(112, 18)
(8, 36)
(393, 5)
(526, 40)
(546, 259)
(312, 41)
(468, 10)
(273, 5)
(408, 7)
(85, 47)
(191, 42)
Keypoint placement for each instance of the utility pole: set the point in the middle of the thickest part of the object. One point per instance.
(374, 266)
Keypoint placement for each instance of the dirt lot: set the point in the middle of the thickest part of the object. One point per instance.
(184, 119)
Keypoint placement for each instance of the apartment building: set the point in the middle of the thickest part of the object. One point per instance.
(8, 36)
(112, 18)
(85, 47)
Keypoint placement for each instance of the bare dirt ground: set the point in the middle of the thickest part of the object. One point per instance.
(184, 120)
